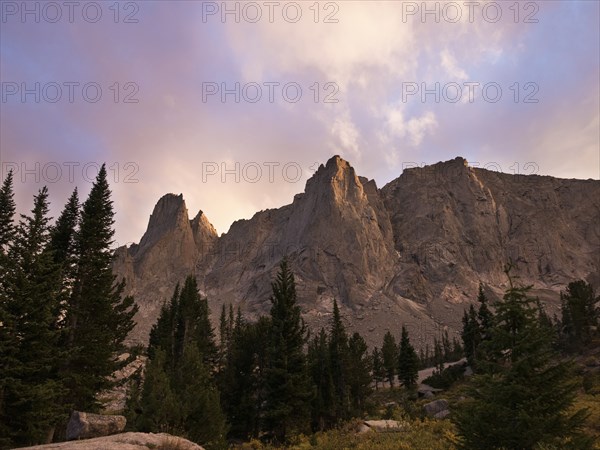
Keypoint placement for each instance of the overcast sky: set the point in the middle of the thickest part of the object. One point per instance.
(150, 89)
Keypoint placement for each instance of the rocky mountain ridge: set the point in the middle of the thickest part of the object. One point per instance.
(412, 252)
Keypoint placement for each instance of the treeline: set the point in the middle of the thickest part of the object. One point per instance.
(523, 390)
(266, 379)
(63, 317)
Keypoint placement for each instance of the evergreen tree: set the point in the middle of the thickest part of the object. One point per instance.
(338, 349)
(446, 347)
(523, 394)
(408, 362)
(62, 244)
(438, 355)
(98, 318)
(288, 389)
(193, 324)
(378, 368)
(180, 372)
(359, 374)
(242, 379)
(319, 362)
(8, 345)
(579, 313)
(484, 314)
(198, 401)
(389, 353)
(32, 388)
(471, 335)
(7, 212)
(158, 404)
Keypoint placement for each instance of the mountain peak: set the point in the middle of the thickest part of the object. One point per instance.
(169, 213)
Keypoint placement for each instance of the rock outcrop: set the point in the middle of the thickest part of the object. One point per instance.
(124, 441)
(86, 425)
(413, 252)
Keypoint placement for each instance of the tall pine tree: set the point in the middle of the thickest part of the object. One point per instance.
(389, 353)
(523, 394)
(408, 362)
(33, 387)
(98, 317)
(288, 388)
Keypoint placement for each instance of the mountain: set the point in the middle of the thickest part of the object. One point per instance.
(413, 252)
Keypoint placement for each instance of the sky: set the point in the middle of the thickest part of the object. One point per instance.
(235, 104)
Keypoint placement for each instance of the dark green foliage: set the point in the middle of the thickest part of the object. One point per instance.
(288, 388)
(158, 405)
(7, 212)
(179, 394)
(484, 314)
(378, 368)
(389, 353)
(7, 338)
(31, 385)
(446, 378)
(522, 394)
(359, 374)
(471, 334)
(408, 362)
(339, 362)
(580, 314)
(242, 379)
(98, 318)
(319, 360)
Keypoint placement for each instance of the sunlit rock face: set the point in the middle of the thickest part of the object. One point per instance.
(413, 252)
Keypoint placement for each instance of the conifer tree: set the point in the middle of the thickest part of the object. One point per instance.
(408, 362)
(288, 388)
(62, 244)
(7, 337)
(580, 312)
(338, 354)
(378, 368)
(471, 335)
(319, 361)
(484, 314)
(98, 317)
(389, 352)
(180, 372)
(523, 393)
(32, 389)
(359, 374)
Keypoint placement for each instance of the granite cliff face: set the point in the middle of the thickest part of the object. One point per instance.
(413, 252)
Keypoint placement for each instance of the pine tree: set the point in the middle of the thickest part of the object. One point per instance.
(319, 363)
(378, 368)
(579, 313)
(98, 318)
(32, 389)
(288, 389)
(159, 408)
(243, 377)
(389, 352)
(484, 314)
(198, 401)
(523, 393)
(8, 346)
(338, 354)
(193, 323)
(62, 245)
(180, 372)
(471, 335)
(359, 374)
(408, 362)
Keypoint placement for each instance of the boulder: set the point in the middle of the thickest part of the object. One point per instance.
(385, 426)
(123, 441)
(442, 414)
(85, 425)
(435, 407)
